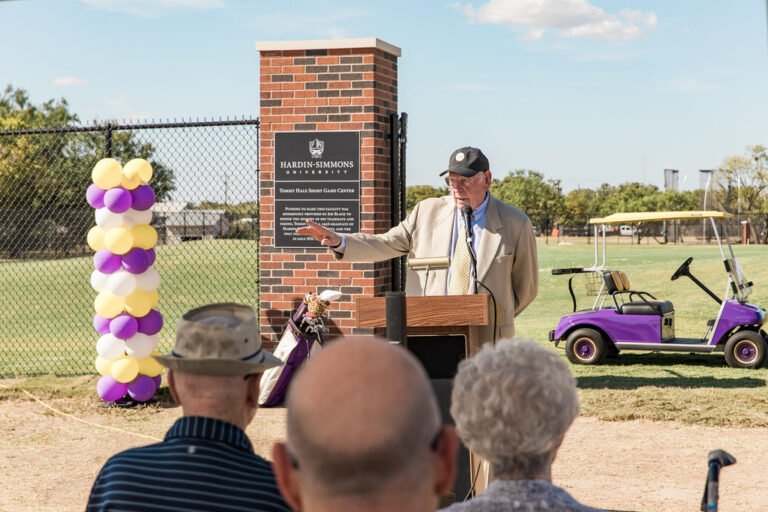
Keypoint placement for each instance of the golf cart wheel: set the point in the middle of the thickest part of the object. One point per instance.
(745, 349)
(585, 346)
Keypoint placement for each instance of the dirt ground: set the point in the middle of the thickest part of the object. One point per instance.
(48, 461)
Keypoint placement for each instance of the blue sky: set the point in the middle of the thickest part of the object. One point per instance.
(584, 91)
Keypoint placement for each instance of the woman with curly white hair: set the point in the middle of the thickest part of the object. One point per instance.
(512, 404)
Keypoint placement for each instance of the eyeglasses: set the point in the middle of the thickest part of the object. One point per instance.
(459, 182)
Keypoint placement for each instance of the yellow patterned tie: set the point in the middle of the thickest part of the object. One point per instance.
(460, 264)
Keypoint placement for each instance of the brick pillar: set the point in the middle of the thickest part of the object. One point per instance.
(334, 85)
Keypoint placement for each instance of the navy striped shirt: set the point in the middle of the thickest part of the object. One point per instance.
(203, 464)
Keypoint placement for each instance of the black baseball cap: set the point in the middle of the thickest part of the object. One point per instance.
(467, 161)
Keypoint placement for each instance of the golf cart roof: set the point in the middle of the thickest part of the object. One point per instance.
(631, 217)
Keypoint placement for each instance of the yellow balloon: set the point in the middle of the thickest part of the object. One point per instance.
(139, 303)
(125, 369)
(144, 236)
(149, 366)
(138, 167)
(103, 365)
(107, 173)
(108, 305)
(119, 240)
(96, 238)
(130, 183)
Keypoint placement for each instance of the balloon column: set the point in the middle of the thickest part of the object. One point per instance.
(125, 280)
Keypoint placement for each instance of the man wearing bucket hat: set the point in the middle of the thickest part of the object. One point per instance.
(502, 240)
(206, 461)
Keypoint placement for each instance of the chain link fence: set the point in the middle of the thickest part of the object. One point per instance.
(745, 228)
(207, 186)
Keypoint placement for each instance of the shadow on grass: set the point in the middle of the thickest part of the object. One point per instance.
(665, 363)
(674, 381)
(716, 360)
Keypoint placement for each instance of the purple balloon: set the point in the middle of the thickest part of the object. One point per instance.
(118, 200)
(152, 256)
(142, 388)
(95, 196)
(151, 323)
(106, 262)
(136, 260)
(123, 326)
(143, 197)
(109, 389)
(101, 324)
(158, 380)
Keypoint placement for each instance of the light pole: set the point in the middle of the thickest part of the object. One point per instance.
(709, 173)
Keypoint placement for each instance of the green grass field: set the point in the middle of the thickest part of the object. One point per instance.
(47, 308)
(696, 389)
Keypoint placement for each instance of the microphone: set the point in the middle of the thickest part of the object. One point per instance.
(717, 460)
(466, 212)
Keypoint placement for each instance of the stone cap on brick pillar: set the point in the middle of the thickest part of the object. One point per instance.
(328, 44)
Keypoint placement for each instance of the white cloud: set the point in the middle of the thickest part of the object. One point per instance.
(69, 81)
(687, 85)
(640, 17)
(153, 8)
(568, 18)
(533, 35)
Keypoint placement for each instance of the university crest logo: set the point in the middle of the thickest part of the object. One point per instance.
(316, 148)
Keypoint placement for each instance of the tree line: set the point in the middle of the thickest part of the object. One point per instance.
(739, 186)
(43, 176)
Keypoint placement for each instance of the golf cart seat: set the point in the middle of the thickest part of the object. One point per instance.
(618, 287)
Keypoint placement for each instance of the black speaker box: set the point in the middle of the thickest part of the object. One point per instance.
(440, 356)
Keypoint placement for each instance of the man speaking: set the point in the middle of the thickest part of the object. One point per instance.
(491, 245)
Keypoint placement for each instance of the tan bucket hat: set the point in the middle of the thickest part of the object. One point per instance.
(219, 339)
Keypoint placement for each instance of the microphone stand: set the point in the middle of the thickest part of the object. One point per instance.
(466, 212)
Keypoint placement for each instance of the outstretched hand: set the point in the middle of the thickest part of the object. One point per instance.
(320, 233)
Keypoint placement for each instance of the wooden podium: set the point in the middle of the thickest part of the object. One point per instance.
(432, 316)
(433, 323)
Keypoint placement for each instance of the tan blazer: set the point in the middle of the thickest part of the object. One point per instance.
(506, 255)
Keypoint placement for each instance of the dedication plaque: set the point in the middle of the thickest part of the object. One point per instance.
(317, 176)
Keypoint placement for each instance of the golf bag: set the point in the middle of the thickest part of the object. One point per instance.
(302, 337)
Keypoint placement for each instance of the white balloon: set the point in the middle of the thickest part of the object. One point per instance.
(99, 281)
(149, 280)
(140, 345)
(139, 216)
(122, 283)
(127, 220)
(110, 347)
(106, 219)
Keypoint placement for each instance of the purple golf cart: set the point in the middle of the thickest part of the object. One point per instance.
(621, 318)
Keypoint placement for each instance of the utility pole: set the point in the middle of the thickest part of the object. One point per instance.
(702, 173)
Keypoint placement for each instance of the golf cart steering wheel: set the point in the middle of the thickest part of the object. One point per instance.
(683, 269)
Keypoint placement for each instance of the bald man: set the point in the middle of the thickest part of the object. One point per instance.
(364, 433)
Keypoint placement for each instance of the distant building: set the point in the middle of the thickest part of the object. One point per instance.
(176, 223)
